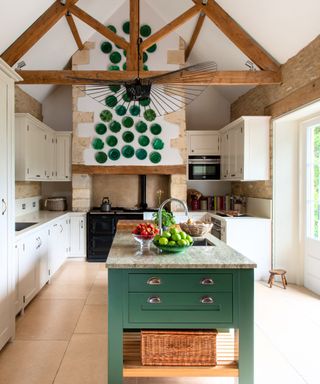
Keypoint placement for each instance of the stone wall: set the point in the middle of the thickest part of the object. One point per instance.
(296, 73)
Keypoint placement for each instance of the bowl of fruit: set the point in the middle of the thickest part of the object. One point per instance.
(144, 234)
(173, 241)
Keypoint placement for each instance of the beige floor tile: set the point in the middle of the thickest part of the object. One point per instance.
(31, 362)
(93, 319)
(49, 320)
(85, 361)
(97, 296)
(65, 291)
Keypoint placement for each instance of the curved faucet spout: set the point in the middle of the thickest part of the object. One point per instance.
(166, 202)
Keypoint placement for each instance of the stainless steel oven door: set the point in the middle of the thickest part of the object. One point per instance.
(216, 228)
(204, 167)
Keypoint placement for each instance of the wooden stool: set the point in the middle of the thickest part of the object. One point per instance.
(278, 272)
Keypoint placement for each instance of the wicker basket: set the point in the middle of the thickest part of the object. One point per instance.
(196, 229)
(185, 348)
(56, 204)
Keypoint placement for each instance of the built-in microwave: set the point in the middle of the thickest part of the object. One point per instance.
(204, 167)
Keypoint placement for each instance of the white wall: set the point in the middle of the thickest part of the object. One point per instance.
(57, 109)
(209, 111)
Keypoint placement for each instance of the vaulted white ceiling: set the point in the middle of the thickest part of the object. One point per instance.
(282, 28)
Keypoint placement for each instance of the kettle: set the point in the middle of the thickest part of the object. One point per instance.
(105, 205)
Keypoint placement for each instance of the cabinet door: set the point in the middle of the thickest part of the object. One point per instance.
(224, 143)
(54, 249)
(42, 256)
(78, 236)
(63, 156)
(50, 156)
(204, 143)
(35, 151)
(236, 152)
(17, 296)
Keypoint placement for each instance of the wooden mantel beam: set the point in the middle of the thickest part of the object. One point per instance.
(238, 35)
(68, 77)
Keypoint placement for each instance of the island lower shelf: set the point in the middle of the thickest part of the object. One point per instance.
(227, 360)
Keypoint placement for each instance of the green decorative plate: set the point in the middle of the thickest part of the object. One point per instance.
(124, 53)
(135, 110)
(126, 98)
(145, 102)
(155, 129)
(101, 129)
(144, 140)
(127, 151)
(145, 67)
(155, 157)
(121, 110)
(126, 27)
(115, 126)
(141, 154)
(149, 114)
(111, 101)
(112, 141)
(145, 30)
(97, 143)
(113, 68)
(145, 57)
(106, 47)
(112, 28)
(127, 122)
(141, 126)
(115, 57)
(124, 66)
(127, 137)
(105, 115)
(101, 157)
(152, 49)
(114, 154)
(157, 144)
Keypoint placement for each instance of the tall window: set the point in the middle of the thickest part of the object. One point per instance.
(313, 182)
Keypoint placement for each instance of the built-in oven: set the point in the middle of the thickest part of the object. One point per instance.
(204, 167)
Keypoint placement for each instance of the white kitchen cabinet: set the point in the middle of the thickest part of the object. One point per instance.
(59, 244)
(63, 156)
(203, 143)
(43, 256)
(50, 156)
(7, 205)
(245, 149)
(78, 235)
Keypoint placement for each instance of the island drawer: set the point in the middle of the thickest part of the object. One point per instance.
(177, 282)
(180, 307)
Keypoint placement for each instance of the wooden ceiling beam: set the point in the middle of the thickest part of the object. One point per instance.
(37, 30)
(238, 35)
(68, 77)
(170, 27)
(195, 34)
(74, 30)
(99, 27)
(133, 56)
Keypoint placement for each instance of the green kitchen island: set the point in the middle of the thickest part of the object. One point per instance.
(206, 287)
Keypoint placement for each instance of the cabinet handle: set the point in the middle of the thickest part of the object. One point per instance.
(5, 207)
(233, 175)
(61, 230)
(207, 300)
(38, 175)
(154, 281)
(207, 281)
(81, 224)
(154, 300)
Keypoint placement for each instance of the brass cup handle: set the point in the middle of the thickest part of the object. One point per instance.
(207, 281)
(207, 300)
(154, 281)
(154, 300)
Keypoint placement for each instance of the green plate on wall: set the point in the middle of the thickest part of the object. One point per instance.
(145, 57)
(149, 114)
(97, 143)
(127, 151)
(145, 102)
(111, 101)
(128, 137)
(127, 122)
(124, 66)
(106, 47)
(155, 157)
(112, 28)
(115, 126)
(145, 67)
(101, 157)
(145, 30)
(115, 57)
(157, 144)
(144, 140)
(114, 154)
(112, 141)
(141, 126)
(134, 110)
(155, 129)
(113, 68)
(126, 27)
(114, 88)
(152, 49)
(141, 154)
(106, 116)
(121, 110)
(101, 129)
(126, 98)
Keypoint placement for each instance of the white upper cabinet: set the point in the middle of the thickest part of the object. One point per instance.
(63, 150)
(203, 143)
(245, 149)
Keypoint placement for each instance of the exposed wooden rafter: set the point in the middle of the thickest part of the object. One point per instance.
(68, 77)
(133, 56)
(170, 27)
(74, 30)
(195, 34)
(238, 35)
(34, 33)
(99, 27)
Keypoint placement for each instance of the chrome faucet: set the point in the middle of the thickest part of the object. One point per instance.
(166, 202)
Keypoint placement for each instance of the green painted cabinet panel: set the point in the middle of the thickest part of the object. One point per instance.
(180, 307)
(177, 282)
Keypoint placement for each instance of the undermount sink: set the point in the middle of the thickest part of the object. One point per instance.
(202, 243)
(21, 226)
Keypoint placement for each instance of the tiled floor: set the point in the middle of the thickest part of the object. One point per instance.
(62, 338)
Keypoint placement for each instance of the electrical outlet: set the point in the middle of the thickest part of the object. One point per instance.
(34, 204)
(24, 206)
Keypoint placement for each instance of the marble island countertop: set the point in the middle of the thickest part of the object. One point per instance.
(125, 253)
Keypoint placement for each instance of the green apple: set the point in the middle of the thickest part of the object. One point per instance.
(176, 237)
(166, 234)
(173, 231)
(163, 241)
(172, 243)
(189, 238)
(156, 238)
(183, 235)
(182, 243)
